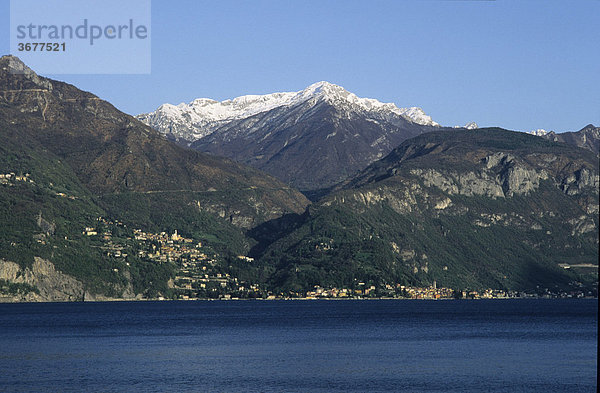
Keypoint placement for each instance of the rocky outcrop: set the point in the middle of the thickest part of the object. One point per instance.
(501, 177)
(582, 178)
(521, 180)
(401, 200)
(581, 225)
(49, 284)
(466, 183)
(45, 226)
(508, 220)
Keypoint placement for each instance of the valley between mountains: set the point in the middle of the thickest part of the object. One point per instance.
(316, 193)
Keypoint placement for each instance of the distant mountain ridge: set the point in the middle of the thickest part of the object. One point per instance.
(203, 116)
(311, 139)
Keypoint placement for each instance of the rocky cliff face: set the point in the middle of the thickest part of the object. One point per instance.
(41, 282)
(47, 284)
(459, 164)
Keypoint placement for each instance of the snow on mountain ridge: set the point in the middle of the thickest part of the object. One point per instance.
(538, 132)
(204, 115)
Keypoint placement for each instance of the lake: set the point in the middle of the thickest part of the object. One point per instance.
(516, 345)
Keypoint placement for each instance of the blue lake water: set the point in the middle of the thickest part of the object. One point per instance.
(300, 346)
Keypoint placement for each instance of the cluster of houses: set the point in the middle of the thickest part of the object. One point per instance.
(163, 247)
(158, 247)
(398, 290)
(327, 293)
(432, 292)
(198, 270)
(487, 294)
(402, 291)
(198, 277)
(11, 178)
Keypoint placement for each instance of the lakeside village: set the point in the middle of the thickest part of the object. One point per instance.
(202, 274)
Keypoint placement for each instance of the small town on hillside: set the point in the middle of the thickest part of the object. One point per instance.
(198, 269)
(200, 273)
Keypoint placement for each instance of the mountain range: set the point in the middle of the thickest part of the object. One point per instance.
(311, 139)
(397, 199)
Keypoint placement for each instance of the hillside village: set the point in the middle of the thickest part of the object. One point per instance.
(199, 271)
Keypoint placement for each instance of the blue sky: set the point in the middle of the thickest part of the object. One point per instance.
(516, 64)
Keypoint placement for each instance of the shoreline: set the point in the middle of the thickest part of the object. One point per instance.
(7, 301)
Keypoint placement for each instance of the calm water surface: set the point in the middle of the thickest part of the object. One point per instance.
(300, 346)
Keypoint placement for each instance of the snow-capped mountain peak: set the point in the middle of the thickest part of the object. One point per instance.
(538, 132)
(203, 116)
(469, 126)
(323, 88)
(334, 93)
